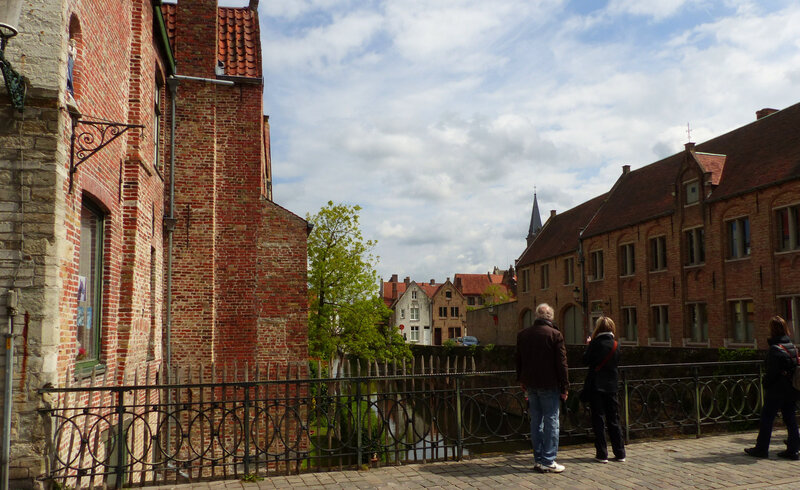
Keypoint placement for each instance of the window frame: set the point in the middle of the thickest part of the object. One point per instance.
(697, 333)
(97, 291)
(686, 194)
(569, 271)
(627, 259)
(694, 242)
(544, 276)
(454, 313)
(736, 326)
(596, 265)
(658, 253)
(788, 230)
(659, 324)
(411, 311)
(628, 312)
(738, 238)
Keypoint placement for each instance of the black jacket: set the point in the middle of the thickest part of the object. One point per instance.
(779, 365)
(542, 357)
(607, 379)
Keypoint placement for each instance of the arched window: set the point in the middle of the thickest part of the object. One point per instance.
(73, 70)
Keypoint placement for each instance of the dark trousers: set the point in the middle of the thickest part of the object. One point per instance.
(774, 401)
(605, 413)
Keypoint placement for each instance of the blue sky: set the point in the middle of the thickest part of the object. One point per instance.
(439, 117)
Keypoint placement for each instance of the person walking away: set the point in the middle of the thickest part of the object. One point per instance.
(780, 364)
(602, 358)
(541, 359)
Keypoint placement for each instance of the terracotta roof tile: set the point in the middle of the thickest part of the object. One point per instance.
(560, 233)
(239, 42)
(712, 163)
(476, 284)
(169, 11)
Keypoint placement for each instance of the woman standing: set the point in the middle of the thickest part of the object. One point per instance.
(779, 394)
(602, 357)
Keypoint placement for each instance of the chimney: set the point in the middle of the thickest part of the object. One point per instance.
(196, 37)
(626, 169)
(765, 112)
(552, 213)
(394, 290)
(254, 5)
(407, 280)
(433, 281)
(394, 278)
(689, 147)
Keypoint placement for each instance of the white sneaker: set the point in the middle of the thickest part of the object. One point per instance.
(537, 467)
(601, 460)
(553, 468)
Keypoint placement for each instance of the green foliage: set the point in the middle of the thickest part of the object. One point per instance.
(495, 295)
(251, 478)
(449, 343)
(346, 314)
(743, 354)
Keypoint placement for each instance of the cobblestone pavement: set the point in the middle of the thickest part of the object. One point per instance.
(708, 462)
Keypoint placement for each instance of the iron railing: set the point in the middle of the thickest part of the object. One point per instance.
(181, 432)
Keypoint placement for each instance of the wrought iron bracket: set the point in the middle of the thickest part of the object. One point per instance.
(90, 136)
(15, 83)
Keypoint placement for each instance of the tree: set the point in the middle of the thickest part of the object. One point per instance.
(494, 294)
(346, 314)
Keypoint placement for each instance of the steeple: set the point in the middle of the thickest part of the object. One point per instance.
(536, 220)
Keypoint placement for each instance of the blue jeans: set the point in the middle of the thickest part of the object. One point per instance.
(543, 407)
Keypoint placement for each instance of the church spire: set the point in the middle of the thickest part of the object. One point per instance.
(536, 220)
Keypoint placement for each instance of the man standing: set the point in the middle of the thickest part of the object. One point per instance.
(542, 373)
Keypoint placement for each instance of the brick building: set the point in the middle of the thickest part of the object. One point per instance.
(449, 310)
(93, 229)
(697, 249)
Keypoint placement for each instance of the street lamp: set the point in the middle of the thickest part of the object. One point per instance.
(9, 18)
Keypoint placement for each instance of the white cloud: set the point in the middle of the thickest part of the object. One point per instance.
(438, 118)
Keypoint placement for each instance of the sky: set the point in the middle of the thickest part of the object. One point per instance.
(440, 117)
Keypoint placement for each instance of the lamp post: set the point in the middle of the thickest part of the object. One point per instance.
(9, 20)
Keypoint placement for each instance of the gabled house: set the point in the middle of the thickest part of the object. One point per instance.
(449, 310)
(412, 313)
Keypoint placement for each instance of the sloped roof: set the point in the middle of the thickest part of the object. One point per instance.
(712, 163)
(560, 233)
(639, 195)
(476, 284)
(762, 153)
(388, 298)
(536, 218)
(239, 41)
(430, 289)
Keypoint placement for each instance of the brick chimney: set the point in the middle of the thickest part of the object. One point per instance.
(626, 169)
(196, 37)
(407, 280)
(552, 213)
(254, 5)
(765, 112)
(394, 278)
(433, 281)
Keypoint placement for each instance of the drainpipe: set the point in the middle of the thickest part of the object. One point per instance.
(8, 388)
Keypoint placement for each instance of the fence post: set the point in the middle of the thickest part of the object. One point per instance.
(626, 401)
(120, 438)
(246, 429)
(761, 383)
(696, 399)
(459, 434)
(359, 449)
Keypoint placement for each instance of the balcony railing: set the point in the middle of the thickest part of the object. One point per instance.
(185, 430)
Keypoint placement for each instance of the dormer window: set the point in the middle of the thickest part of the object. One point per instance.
(691, 192)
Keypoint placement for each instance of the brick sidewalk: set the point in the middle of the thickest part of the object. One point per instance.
(708, 462)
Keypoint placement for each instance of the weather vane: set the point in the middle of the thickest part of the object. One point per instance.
(689, 132)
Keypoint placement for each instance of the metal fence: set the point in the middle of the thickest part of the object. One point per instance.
(184, 431)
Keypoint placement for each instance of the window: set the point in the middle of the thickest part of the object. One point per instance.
(695, 246)
(788, 226)
(453, 332)
(629, 324)
(627, 260)
(660, 323)
(402, 313)
(526, 280)
(742, 320)
(545, 276)
(658, 253)
(480, 300)
(413, 295)
(471, 300)
(443, 311)
(454, 311)
(448, 294)
(90, 286)
(414, 310)
(738, 238)
(697, 322)
(691, 191)
(596, 265)
(157, 124)
(790, 311)
(569, 271)
(414, 336)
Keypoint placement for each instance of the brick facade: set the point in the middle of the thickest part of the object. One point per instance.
(716, 288)
(239, 275)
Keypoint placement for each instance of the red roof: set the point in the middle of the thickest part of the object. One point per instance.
(711, 163)
(239, 41)
(560, 233)
(476, 284)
